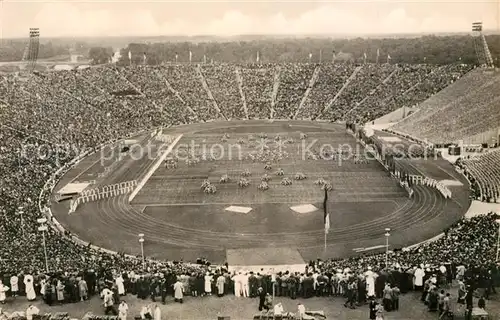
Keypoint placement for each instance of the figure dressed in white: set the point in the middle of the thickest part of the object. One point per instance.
(208, 284)
(3, 292)
(14, 285)
(245, 286)
(122, 310)
(30, 289)
(157, 313)
(31, 311)
(237, 284)
(370, 282)
(178, 291)
(106, 292)
(120, 286)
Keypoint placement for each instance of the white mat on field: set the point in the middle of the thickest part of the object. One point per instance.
(304, 208)
(239, 209)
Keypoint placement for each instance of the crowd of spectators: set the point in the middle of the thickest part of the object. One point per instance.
(330, 80)
(221, 79)
(294, 79)
(177, 94)
(484, 174)
(45, 114)
(258, 81)
(458, 112)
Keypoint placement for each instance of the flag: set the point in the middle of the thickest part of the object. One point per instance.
(204, 58)
(326, 215)
(364, 57)
(378, 53)
(145, 57)
(176, 56)
(190, 56)
(258, 57)
(129, 55)
(389, 57)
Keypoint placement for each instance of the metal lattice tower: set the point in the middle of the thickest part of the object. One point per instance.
(481, 46)
(31, 51)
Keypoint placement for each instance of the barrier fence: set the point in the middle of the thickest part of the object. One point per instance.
(102, 193)
(429, 182)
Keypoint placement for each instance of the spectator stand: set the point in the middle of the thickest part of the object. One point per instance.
(484, 172)
(312, 82)
(257, 85)
(329, 106)
(209, 92)
(384, 78)
(171, 96)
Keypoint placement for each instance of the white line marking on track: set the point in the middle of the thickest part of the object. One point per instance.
(257, 203)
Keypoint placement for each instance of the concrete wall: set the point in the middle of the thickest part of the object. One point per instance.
(394, 116)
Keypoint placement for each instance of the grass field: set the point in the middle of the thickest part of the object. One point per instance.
(351, 182)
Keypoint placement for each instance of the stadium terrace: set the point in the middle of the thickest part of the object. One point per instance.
(116, 184)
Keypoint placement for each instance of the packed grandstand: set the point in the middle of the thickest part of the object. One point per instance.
(74, 111)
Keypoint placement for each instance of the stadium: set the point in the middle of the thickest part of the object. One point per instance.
(191, 172)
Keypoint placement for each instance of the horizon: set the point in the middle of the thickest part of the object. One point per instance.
(225, 19)
(338, 36)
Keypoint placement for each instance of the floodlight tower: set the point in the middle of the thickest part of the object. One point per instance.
(31, 51)
(481, 46)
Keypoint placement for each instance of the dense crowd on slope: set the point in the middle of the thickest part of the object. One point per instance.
(472, 104)
(484, 174)
(50, 118)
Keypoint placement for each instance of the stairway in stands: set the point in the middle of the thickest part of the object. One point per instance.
(209, 92)
(308, 91)
(334, 99)
(276, 86)
(239, 80)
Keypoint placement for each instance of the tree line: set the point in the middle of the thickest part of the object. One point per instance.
(425, 49)
(13, 50)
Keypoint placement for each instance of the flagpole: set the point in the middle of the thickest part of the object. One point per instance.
(326, 216)
(325, 245)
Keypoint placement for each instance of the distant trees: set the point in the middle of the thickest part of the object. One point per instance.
(425, 49)
(13, 50)
(100, 55)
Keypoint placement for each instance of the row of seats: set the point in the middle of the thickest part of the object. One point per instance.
(462, 110)
(484, 170)
(337, 92)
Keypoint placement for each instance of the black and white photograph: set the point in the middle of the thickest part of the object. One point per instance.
(249, 160)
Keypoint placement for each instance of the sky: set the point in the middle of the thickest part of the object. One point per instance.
(62, 18)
